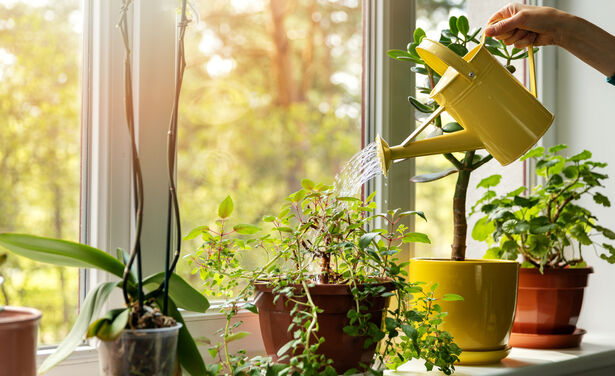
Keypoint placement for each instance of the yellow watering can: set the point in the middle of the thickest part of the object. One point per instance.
(496, 111)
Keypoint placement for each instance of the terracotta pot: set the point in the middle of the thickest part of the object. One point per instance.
(335, 300)
(18, 341)
(550, 303)
(481, 323)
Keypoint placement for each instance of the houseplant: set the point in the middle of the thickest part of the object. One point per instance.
(322, 289)
(145, 335)
(548, 229)
(482, 338)
(19, 333)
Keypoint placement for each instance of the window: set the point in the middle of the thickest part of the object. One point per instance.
(40, 61)
(271, 95)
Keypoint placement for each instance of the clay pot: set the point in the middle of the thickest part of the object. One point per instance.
(550, 303)
(335, 300)
(18, 341)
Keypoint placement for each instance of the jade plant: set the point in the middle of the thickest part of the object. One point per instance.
(546, 226)
(150, 302)
(320, 238)
(458, 38)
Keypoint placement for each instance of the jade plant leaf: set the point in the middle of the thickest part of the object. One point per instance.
(433, 176)
(189, 356)
(61, 252)
(90, 309)
(184, 295)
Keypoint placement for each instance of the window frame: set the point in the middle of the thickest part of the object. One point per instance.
(105, 184)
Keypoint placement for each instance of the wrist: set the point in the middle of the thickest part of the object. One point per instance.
(566, 28)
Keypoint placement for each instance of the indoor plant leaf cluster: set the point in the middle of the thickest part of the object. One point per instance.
(546, 226)
(457, 38)
(318, 239)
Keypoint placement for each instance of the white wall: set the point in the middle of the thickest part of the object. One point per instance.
(586, 120)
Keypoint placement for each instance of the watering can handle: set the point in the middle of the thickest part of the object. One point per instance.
(439, 58)
(530, 55)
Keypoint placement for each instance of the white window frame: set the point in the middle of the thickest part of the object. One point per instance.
(106, 201)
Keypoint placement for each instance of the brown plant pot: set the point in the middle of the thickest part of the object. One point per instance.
(549, 303)
(335, 300)
(18, 341)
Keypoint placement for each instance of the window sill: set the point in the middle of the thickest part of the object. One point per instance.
(595, 357)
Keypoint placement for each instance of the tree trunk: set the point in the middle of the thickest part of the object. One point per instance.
(459, 209)
(281, 60)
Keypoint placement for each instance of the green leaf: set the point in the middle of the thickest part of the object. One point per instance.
(579, 233)
(420, 106)
(452, 24)
(585, 154)
(555, 180)
(196, 232)
(245, 229)
(602, 199)
(493, 253)
(187, 351)
(556, 148)
(570, 172)
(458, 49)
(110, 326)
(61, 252)
(410, 331)
(184, 295)
(534, 153)
(463, 25)
(496, 51)
(403, 55)
(237, 336)
(452, 297)
(226, 207)
(419, 34)
(451, 127)
(416, 237)
(483, 229)
(250, 307)
(3, 258)
(93, 303)
(412, 212)
(490, 181)
(366, 239)
(433, 176)
(307, 184)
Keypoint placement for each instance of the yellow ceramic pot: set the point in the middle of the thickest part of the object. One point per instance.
(482, 322)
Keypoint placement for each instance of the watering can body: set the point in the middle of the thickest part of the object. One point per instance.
(496, 111)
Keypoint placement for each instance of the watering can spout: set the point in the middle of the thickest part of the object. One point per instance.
(448, 143)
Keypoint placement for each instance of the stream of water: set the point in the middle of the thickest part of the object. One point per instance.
(362, 167)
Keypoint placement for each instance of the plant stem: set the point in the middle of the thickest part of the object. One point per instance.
(459, 209)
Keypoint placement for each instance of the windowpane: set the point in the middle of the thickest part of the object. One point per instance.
(272, 94)
(435, 198)
(40, 54)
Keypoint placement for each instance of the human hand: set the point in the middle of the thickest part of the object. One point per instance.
(523, 25)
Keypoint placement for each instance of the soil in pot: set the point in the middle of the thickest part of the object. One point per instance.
(549, 304)
(140, 352)
(335, 300)
(18, 334)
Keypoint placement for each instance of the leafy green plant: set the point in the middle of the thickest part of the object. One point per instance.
(320, 238)
(546, 226)
(458, 37)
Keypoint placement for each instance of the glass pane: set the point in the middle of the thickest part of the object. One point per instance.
(40, 55)
(435, 198)
(272, 95)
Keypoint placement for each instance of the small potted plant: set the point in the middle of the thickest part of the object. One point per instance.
(482, 323)
(19, 333)
(548, 229)
(147, 335)
(322, 292)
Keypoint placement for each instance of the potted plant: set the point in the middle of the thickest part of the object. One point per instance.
(322, 292)
(481, 324)
(19, 333)
(146, 335)
(548, 229)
